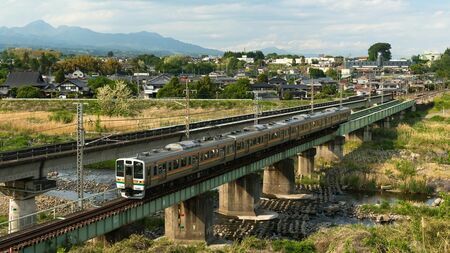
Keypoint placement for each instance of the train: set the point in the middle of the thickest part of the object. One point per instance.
(134, 175)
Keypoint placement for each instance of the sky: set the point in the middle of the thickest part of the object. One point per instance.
(338, 27)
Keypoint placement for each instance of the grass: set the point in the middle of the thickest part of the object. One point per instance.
(110, 164)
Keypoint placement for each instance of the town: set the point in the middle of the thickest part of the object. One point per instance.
(28, 73)
(224, 126)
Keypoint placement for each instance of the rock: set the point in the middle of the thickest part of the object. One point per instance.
(437, 202)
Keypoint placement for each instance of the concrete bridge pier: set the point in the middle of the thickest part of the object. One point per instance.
(190, 220)
(22, 203)
(401, 115)
(333, 150)
(279, 178)
(364, 134)
(240, 197)
(305, 162)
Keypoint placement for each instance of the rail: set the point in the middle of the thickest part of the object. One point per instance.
(59, 211)
(132, 136)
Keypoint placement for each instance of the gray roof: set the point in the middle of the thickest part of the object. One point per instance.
(19, 79)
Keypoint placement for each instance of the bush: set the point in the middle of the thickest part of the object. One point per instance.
(65, 117)
(28, 92)
(288, 246)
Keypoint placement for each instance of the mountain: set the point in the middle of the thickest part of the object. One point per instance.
(43, 35)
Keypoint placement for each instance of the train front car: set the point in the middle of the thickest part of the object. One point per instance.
(130, 178)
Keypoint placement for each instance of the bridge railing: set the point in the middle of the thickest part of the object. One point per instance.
(59, 211)
(373, 117)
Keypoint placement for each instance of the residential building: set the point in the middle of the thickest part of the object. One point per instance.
(152, 85)
(74, 85)
(248, 60)
(19, 79)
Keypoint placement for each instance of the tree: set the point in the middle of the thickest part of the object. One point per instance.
(95, 83)
(59, 76)
(110, 54)
(262, 78)
(316, 73)
(329, 90)
(111, 66)
(113, 100)
(205, 88)
(287, 95)
(171, 89)
(419, 69)
(333, 73)
(28, 92)
(384, 48)
(238, 90)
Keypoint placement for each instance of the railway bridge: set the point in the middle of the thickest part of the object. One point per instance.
(23, 173)
(188, 211)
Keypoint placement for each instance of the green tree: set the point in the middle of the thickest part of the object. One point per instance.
(442, 66)
(113, 100)
(28, 92)
(384, 48)
(110, 54)
(333, 73)
(172, 89)
(238, 90)
(59, 76)
(205, 88)
(419, 68)
(316, 73)
(262, 78)
(287, 95)
(416, 59)
(329, 90)
(95, 83)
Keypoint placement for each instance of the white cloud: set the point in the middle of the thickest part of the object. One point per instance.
(341, 27)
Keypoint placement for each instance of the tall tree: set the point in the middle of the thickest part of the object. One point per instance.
(238, 90)
(384, 48)
(59, 76)
(316, 73)
(171, 89)
(262, 78)
(205, 88)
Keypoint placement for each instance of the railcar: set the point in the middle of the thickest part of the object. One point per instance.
(135, 175)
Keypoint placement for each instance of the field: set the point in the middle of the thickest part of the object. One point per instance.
(25, 123)
(413, 156)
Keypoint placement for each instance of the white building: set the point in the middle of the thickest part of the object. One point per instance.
(247, 59)
(284, 61)
(430, 56)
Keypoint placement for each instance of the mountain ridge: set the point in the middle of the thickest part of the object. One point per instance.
(41, 34)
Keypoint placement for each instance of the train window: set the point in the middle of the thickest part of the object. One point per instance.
(169, 166)
(138, 170)
(128, 171)
(189, 160)
(120, 168)
(183, 162)
(155, 170)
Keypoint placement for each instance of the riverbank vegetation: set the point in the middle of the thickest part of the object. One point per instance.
(413, 156)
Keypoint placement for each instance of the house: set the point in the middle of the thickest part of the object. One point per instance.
(297, 91)
(76, 74)
(246, 59)
(74, 85)
(152, 85)
(19, 79)
(265, 91)
(277, 81)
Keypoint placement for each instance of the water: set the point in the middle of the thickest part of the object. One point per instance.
(360, 198)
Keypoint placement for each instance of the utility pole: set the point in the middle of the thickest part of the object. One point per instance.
(80, 149)
(370, 87)
(256, 98)
(312, 96)
(187, 114)
(341, 90)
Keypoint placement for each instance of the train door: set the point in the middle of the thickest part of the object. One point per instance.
(222, 152)
(128, 174)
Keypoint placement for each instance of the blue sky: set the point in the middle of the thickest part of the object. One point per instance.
(345, 27)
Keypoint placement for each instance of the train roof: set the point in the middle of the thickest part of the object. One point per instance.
(192, 145)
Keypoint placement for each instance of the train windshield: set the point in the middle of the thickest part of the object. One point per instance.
(120, 168)
(138, 170)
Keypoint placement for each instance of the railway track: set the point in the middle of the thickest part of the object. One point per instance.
(16, 241)
(95, 144)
